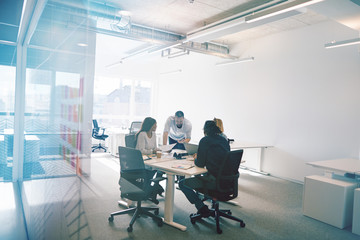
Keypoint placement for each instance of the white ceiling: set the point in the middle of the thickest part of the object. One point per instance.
(184, 17)
(187, 18)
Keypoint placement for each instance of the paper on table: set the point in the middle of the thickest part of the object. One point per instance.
(182, 166)
(166, 148)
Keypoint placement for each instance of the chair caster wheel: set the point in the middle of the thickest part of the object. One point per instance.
(219, 231)
(230, 213)
(160, 223)
(192, 221)
(111, 219)
(156, 212)
(129, 229)
(242, 224)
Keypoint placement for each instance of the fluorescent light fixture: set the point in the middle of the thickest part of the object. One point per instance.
(114, 64)
(236, 61)
(279, 10)
(349, 42)
(124, 13)
(171, 72)
(7, 43)
(82, 44)
(214, 29)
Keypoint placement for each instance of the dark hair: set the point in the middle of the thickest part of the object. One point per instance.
(179, 114)
(146, 125)
(210, 128)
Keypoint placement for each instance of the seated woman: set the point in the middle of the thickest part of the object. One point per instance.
(146, 137)
(146, 143)
(220, 125)
(211, 152)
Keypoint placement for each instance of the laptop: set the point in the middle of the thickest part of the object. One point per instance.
(191, 148)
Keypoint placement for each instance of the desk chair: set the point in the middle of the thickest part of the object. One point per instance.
(130, 140)
(99, 136)
(226, 189)
(135, 184)
(134, 127)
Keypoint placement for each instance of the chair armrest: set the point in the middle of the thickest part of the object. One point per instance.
(158, 179)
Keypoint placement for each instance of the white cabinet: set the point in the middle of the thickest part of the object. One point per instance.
(329, 200)
(356, 212)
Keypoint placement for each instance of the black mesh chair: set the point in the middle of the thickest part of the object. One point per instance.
(226, 189)
(130, 140)
(99, 136)
(136, 184)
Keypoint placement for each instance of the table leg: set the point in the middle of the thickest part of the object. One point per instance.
(169, 203)
(261, 160)
(258, 168)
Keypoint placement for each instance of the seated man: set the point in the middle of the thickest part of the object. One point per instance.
(211, 152)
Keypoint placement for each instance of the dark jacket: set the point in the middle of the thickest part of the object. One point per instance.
(211, 152)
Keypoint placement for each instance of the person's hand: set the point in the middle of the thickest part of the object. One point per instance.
(181, 141)
(194, 155)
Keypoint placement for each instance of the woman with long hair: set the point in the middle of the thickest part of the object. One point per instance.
(146, 143)
(146, 137)
(220, 125)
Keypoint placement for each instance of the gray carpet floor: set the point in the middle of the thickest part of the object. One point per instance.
(270, 207)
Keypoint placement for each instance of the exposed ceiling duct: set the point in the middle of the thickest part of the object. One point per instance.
(109, 21)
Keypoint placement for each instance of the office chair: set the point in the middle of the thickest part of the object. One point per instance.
(130, 140)
(135, 184)
(225, 190)
(134, 127)
(99, 136)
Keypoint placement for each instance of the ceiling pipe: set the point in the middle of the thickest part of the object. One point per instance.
(162, 39)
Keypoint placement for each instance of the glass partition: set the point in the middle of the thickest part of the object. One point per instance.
(7, 100)
(57, 119)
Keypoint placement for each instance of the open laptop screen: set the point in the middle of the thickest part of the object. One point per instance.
(191, 148)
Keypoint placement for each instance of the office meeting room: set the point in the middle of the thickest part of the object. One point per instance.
(180, 119)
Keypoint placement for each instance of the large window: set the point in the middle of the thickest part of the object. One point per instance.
(118, 102)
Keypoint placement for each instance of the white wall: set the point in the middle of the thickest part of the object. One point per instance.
(297, 96)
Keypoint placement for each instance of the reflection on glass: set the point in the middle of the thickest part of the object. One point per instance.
(58, 113)
(52, 141)
(7, 100)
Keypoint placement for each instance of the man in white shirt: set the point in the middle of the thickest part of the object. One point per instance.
(177, 130)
